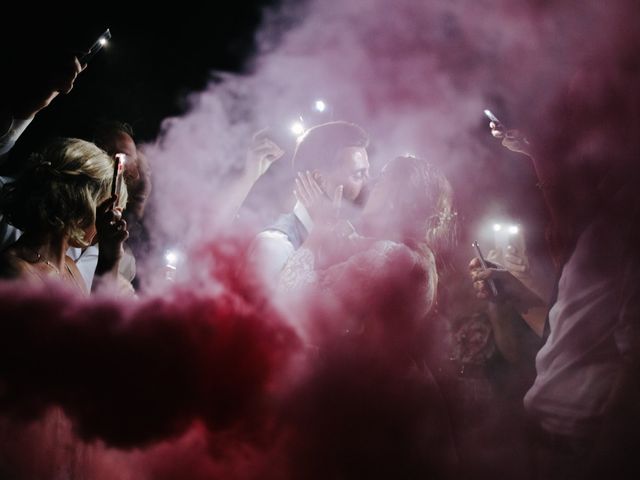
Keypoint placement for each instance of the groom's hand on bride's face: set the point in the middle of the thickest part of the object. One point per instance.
(310, 191)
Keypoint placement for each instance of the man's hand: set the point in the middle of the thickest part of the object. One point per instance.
(45, 86)
(323, 210)
(261, 155)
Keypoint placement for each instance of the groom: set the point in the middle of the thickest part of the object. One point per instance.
(335, 150)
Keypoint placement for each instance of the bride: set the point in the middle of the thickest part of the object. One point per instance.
(379, 286)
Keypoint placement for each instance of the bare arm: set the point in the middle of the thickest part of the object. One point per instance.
(514, 299)
(24, 105)
(547, 172)
(260, 157)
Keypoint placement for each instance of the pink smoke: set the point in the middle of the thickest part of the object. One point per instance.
(198, 383)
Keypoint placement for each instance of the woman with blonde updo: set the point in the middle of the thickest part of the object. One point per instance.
(63, 200)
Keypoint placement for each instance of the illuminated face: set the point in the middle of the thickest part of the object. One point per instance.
(352, 172)
(123, 143)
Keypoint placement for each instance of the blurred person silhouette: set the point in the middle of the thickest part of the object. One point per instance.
(588, 173)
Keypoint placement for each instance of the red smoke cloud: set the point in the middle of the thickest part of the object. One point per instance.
(133, 374)
(198, 384)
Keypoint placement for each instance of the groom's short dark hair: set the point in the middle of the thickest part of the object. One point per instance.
(319, 146)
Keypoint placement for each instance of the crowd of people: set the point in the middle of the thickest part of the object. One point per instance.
(364, 263)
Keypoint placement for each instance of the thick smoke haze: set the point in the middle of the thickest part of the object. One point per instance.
(132, 374)
(415, 75)
(199, 379)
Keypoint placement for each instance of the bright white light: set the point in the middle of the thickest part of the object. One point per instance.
(103, 41)
(297, 128)
(320, 106)
(497, 227)
(513, 229)
(171, 257)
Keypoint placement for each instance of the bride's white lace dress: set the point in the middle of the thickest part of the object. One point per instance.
(388, 282)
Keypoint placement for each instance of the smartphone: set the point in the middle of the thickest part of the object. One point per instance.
(118, 171)
(483, 262)
(492, 117)
(497, 127)
(96, 47)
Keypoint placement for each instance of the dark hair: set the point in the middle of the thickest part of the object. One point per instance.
(319, 146)
(424, 199)
(103, 132)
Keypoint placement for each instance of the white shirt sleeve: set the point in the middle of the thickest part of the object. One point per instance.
(9, 138)
(8, 233)
(268, 254)
(86, 262)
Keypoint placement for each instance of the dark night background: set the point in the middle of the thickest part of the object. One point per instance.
(155, 58)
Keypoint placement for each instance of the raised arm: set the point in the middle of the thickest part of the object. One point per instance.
(23, 104)
(262, 153)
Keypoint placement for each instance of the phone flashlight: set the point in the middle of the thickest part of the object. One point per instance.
(320, 105)
(483, 262)
(118, 171)
(171, 258)
(96, 47)
(491, 116)
(297, 128)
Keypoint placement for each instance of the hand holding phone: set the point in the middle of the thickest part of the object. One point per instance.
(497, 128)
(96, 47)
(483, 262)
(491, 116)
(514, 140)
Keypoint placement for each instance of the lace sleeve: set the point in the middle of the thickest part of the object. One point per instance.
(299, 271)
(386, 273)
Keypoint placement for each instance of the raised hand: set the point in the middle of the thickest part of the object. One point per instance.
(112, 232)
(45, 86)
(509, 287)
(262, 154)
(512, 139)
